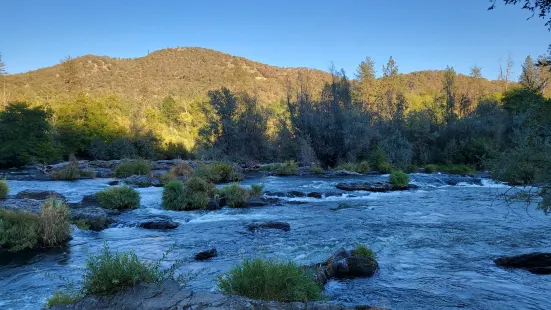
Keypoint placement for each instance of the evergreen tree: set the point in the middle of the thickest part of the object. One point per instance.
(367, 81)
(391, 69)
(531, 77)
(449, 88)
(476, 72)
(2, 67)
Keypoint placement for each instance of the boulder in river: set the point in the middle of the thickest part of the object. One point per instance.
(538, 263)
(261, 201)
(379, 187)
(94, 218)
(159, 222)
(314, 195)
(204, 255)
(269, 225)
(142, 181)
(345, 264)
(39, 195)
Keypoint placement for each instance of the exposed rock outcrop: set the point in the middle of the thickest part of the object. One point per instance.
(38, 195)
(159, 222)
(372, 187)
(204, 255)
(538, 263)
(345, 264)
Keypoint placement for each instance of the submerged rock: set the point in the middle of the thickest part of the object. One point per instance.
(169, 295)
(269, 225)
(261, 201)
(538, 263)
(314, 195)
(373, 187)
(94, 217)
(204, 255)
(39, 195)
(344, 173)
(159, 222)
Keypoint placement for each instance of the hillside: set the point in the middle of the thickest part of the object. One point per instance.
(184, 72)
(190, 73)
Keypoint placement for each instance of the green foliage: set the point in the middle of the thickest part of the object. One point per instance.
(18, 230)
(26, 135)
(361, 167)
(380, 162)
(110, 272)
(545, 203)
(63, 298)
(53, 223)
(182, 169)
(270, 280)
(286, 168)
(4, 188)
(431, 168)
(316, 170)
(132, 167)
(120, 198)
(69, 173)
(194, 194)
(365, 252)
(168, 177)
(236, 196)
(456, 169)
(256, 190)
(412, 169)
(399, 179)
(219, 172)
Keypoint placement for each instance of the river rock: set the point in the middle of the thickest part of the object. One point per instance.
(373, 187)
(261, 201)
(314, 195)
(39, 195)
(204, 255)
(114, 182)
(142, 181)
(345, 264)
(169, 295)
(269, 225)
(24, 205)
(293, 194)
(159, 222)
(94, 217)
(344, 173)
(538, 263)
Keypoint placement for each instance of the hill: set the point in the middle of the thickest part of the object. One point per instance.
(189, 73)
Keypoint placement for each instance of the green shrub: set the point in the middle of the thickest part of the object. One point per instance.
(412, 169)
(316, 170)
(18, 230)
(132, 167)
(268, 167)
(194, 194)
(256, 190)
(53, 223)
(270, 280)
(363, 167)
(63, 298)
(236, 196)
(182, 169)
(168, 177)
(385, 167)
(4, 188)
(87, 174)
(456, 169)
(69, 173)
(380, 162)
(220, 172)
(431, 168)
(363, 251)
(119, 198)
(399, 179)
(286, 168)
(109, 272)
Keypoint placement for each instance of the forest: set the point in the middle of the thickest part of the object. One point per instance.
(389, 121)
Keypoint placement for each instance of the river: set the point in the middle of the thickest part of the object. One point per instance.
(434, 245)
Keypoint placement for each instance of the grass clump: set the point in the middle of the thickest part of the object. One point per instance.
(194, 194)
(363, 251)
(63, 298)
(412, 169)
(18, 230)
(110, 272)
(235, 195)
(362, 167)
(286, 168)
(182, 169)
(219, 172)
(120, 198)
(53, 222)
(256, 190)
(456, 169)
(270, 280)
(316, 170)
(4, 188)
(24, 230)
(132, 167)
(399, 179)
(168, 177)
(431, 168)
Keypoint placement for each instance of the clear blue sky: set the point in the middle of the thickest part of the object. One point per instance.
(424, 34)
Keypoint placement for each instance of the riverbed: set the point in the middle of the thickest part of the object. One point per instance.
(434, 244)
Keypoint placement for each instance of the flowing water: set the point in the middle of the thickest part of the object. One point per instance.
(434, 245)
